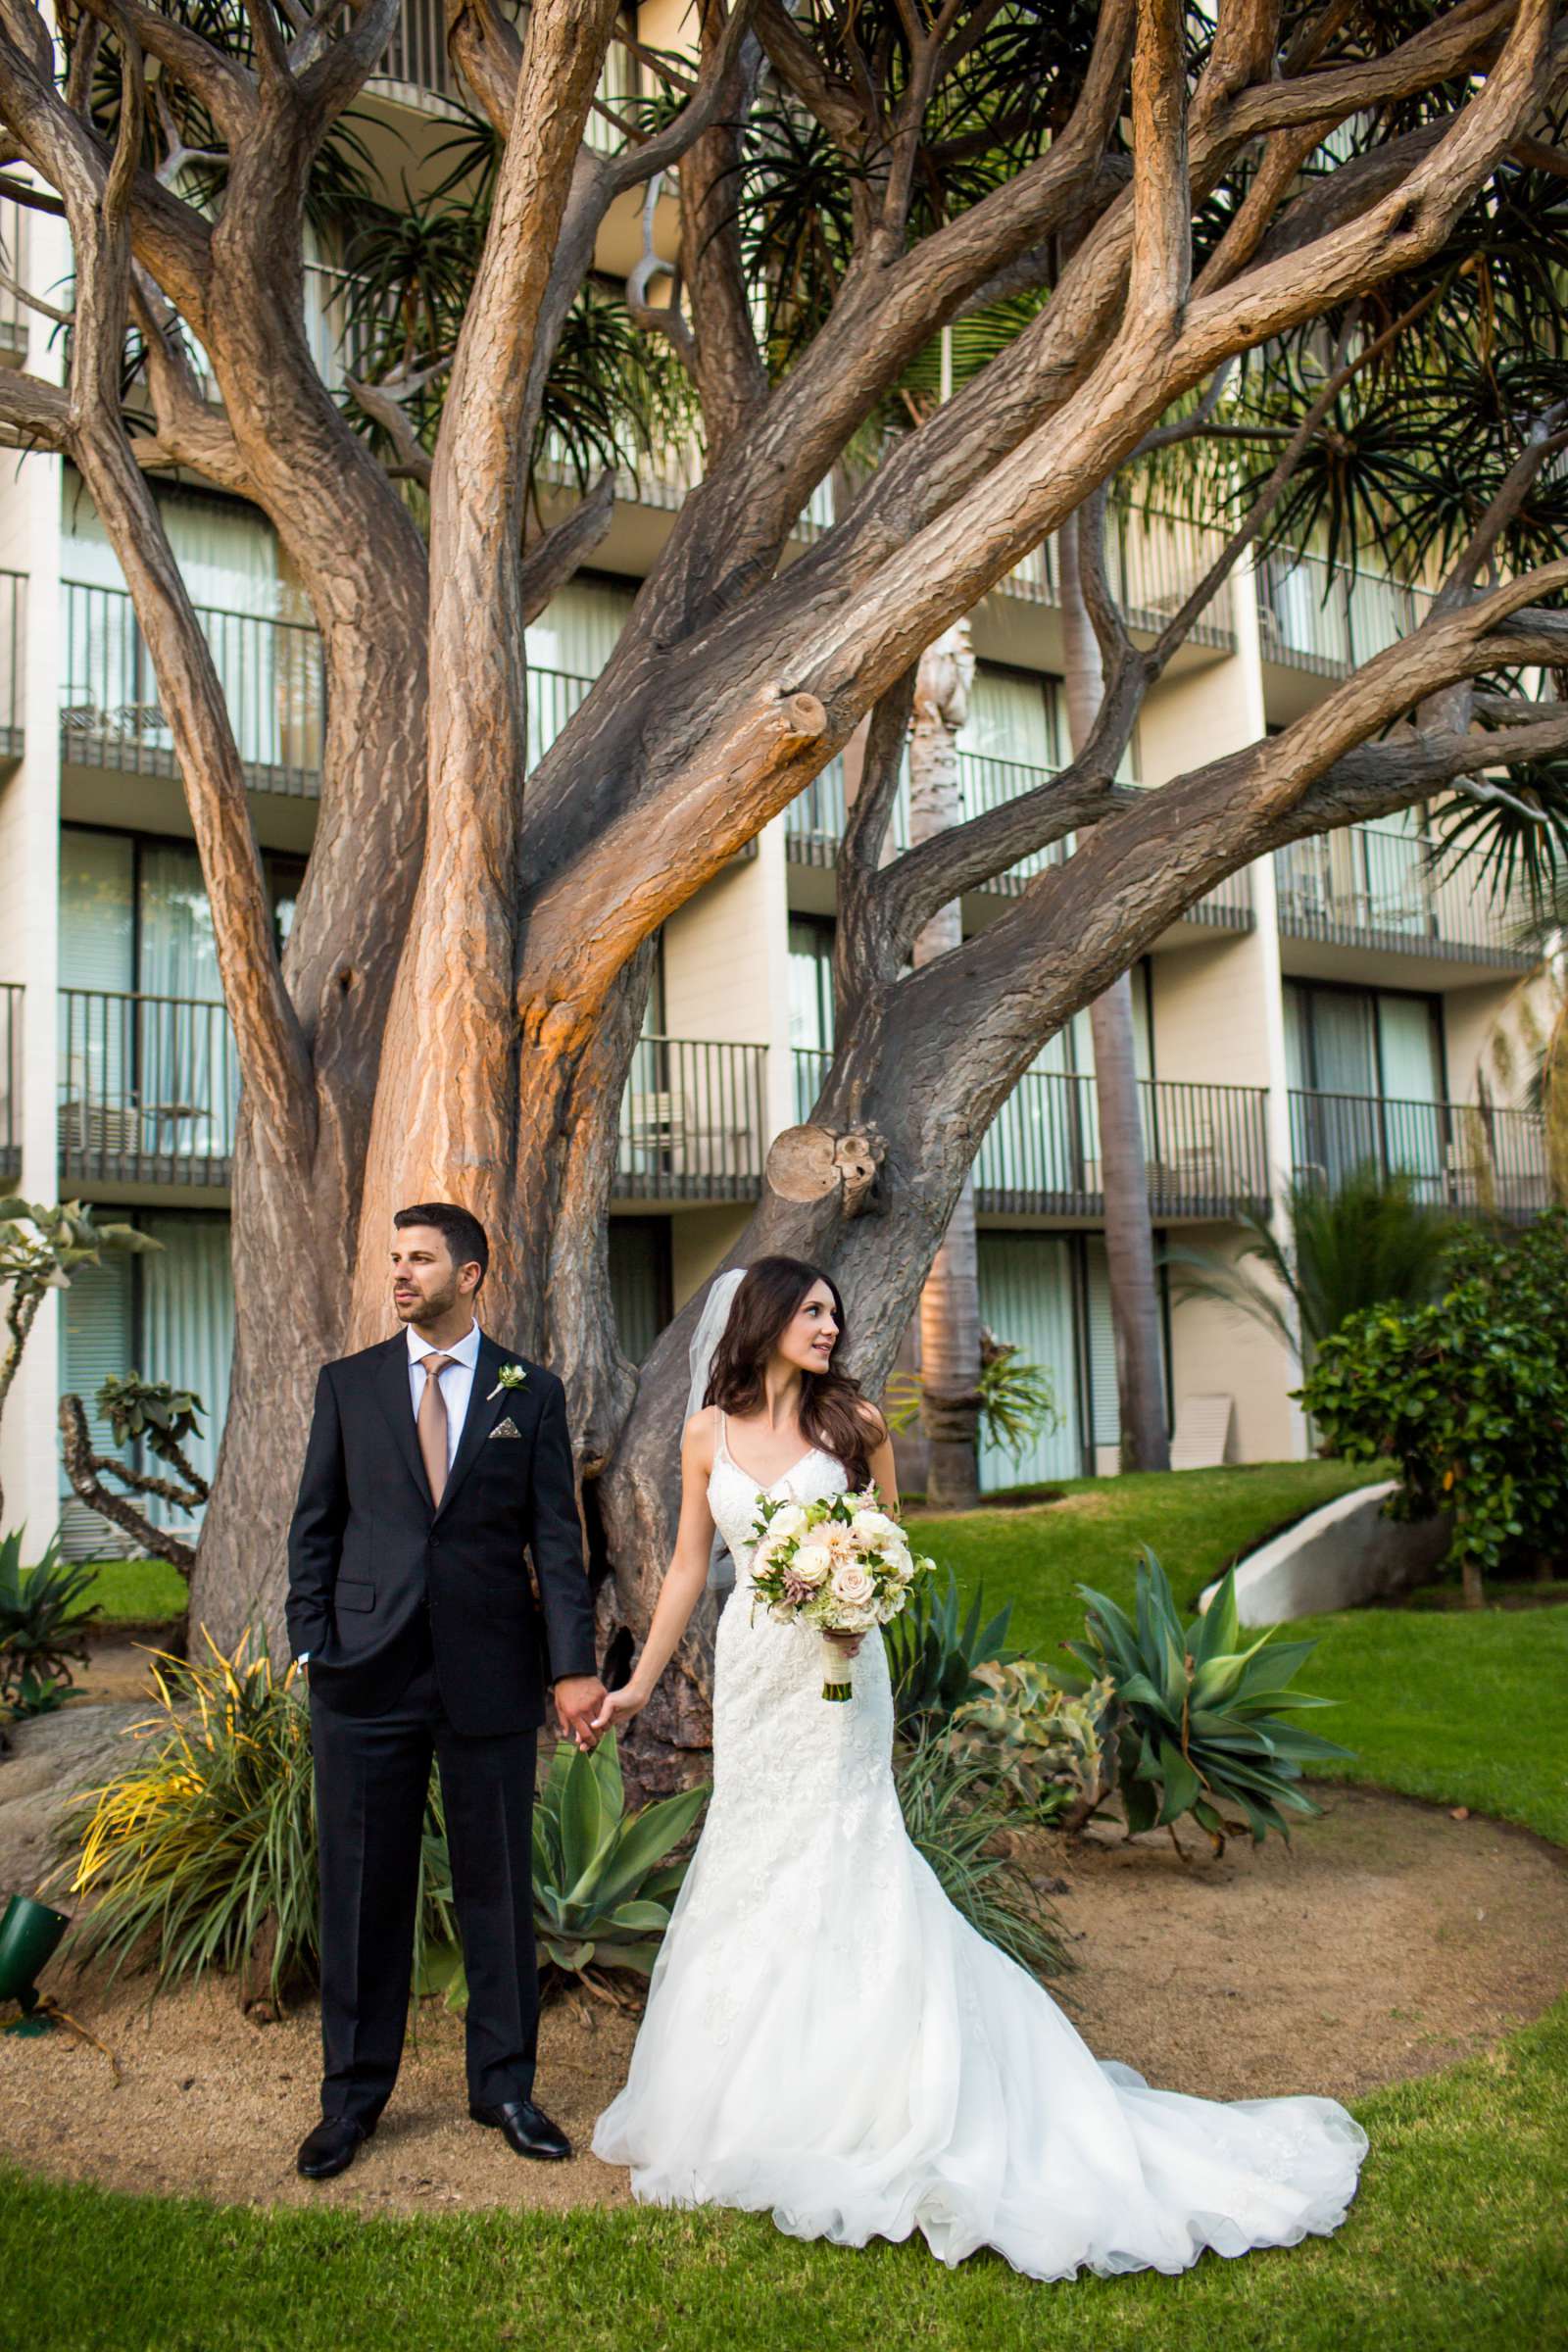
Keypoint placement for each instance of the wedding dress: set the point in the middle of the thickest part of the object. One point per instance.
(828, 2040)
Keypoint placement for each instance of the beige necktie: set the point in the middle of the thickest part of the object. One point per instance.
(432, 1424)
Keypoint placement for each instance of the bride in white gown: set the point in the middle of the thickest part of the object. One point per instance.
(826, 2037)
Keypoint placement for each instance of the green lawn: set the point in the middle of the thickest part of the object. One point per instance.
(1195, 1521)
(1455, 2237)
(136, 1591)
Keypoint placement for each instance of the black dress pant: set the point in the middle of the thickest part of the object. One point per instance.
(371, 1775)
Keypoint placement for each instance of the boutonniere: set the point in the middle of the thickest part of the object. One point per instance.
(510, 1376)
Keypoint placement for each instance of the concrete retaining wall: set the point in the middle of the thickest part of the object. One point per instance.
(1334, 1558)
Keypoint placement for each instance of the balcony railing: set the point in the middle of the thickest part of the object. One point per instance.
(416, 53)
(1329, 617)
(1457, 1155)
(1155, 561)
(149, 1088)
(270, 673)
(1371, 886)
(814, 827)
(1206, 1148)
(693, 1121)
(13, 617)
(11, 1002)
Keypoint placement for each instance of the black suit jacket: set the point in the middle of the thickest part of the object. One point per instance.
(368, 1551)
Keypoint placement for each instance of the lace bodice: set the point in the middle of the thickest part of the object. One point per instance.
(733, 1493)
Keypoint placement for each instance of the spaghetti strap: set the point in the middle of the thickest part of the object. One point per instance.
(724, 1439)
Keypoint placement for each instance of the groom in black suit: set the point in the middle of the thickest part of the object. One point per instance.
(433, 1460)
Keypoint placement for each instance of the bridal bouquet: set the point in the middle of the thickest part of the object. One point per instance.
(842, 1564)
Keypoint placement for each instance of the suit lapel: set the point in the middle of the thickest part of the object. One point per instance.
(484, 1411)
(396, 1399)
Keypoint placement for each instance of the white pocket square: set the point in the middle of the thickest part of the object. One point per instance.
(504, 1429)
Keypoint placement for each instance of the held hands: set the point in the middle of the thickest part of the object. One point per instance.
(576, 1696)
(619, 1706)
(848, 1643)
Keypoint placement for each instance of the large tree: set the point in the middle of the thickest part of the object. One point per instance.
(466, 973)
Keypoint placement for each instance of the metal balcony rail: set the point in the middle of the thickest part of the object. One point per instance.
(14, 312)
(11, 1003)
(1375, 886)
(1155, 561)
(270, 673)
(13, 620)
(814, 823)
(693, 1121)
(148, 1087)
(1329, 617)
(1457, 1155)
(1206, 1148)
(416, 53)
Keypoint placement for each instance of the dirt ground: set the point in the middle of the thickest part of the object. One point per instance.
(1390, 1939)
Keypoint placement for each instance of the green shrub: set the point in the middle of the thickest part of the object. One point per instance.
(957, 1817)
(1469, 1395)
(202, 1853)
(1052, 1754)
(933, 1658)
(43, 1622)
(1200, 1721)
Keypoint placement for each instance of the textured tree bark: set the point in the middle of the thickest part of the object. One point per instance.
(483, 1052)
(1124, 1176)
(950, 1299)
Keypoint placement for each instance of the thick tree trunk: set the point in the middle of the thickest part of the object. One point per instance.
(1124, 1177)
(949, 1301)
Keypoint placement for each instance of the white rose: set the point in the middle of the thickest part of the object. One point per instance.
(811, 1564)
(856, 1621)
(789, 1521)
(876, 1531)
(853, 1584)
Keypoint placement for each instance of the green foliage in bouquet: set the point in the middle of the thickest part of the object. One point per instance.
(42, 1627)
(1200, 1722)
(934, 1655)
(958, 1817)
(1052, 1754)
(1469, 1395)
(603, 1883)
(202, 1852)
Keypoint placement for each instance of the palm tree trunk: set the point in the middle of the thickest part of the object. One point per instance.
(949, 1300)
(1129, 1234)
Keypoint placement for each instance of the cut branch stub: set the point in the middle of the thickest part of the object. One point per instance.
(811, 1163)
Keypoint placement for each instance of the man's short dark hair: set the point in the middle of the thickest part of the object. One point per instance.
(460, 1228)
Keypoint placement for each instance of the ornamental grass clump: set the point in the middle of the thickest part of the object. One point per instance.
(202, 1852)
(1200, 1722)
(959, 1821)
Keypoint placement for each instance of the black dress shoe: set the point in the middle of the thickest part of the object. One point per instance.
(526, 2127)
(331, 2148)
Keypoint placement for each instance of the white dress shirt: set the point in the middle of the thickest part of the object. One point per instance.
(457, 1387)
(456, 1381)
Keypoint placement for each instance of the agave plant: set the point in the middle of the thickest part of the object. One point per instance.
(603, 1883)
(932, 1658)
(1202, 1721)
(42, 1626)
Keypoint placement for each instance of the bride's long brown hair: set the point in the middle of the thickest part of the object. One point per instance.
(760, 1311)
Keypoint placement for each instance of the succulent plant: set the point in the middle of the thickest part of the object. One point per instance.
(1200, 1720)
(933, 1658)
(1054, 1753)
